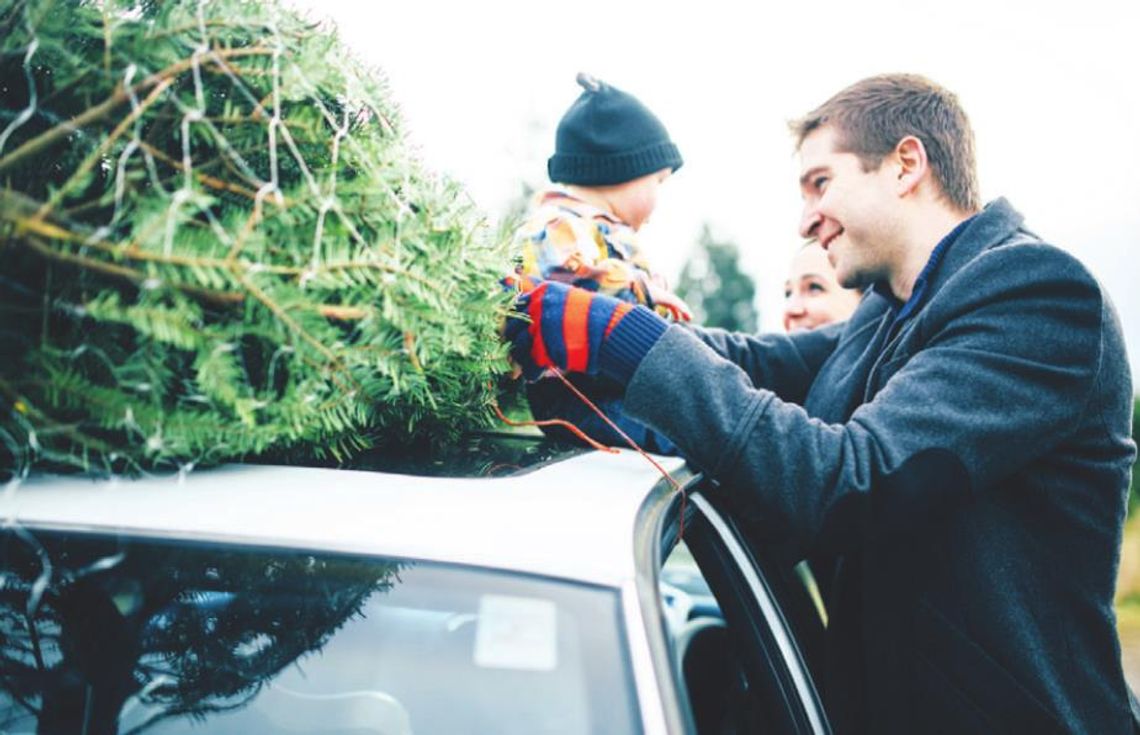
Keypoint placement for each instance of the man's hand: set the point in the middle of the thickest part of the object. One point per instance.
(576, 330)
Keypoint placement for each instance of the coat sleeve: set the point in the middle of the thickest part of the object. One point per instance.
(784, 364)
(1007, 365)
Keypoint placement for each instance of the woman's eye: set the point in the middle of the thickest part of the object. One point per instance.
(816, 288)
(820, 183)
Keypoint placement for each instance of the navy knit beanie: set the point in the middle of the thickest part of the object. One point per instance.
(608, 137)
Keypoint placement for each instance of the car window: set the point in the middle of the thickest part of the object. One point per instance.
(737, 655)
(106, 635)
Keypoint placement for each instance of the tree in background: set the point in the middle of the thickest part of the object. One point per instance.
(720, 294)
(516, 210)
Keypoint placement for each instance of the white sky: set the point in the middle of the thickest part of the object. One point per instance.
(1052, 89)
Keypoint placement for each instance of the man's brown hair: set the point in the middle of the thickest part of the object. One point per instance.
(871, 116)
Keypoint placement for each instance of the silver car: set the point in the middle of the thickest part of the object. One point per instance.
(513, 586)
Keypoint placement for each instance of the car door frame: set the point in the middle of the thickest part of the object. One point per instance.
(658, 530)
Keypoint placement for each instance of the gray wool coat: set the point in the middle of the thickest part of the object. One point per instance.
(966, 471)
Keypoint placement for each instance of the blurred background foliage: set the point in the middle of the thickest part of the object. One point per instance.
(713, 284)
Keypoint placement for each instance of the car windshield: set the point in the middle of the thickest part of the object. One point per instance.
(113, 635)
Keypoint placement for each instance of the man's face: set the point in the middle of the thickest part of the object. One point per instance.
(852, 213)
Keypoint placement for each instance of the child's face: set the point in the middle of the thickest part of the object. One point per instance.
(635, 200)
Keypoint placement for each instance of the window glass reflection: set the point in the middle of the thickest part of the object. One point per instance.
(108, 635)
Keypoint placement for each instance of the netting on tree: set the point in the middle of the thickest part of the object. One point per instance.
(216, 242)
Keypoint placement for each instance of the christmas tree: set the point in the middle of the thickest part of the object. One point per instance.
(217, 243)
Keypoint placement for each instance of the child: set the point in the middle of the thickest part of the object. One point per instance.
(611, 155)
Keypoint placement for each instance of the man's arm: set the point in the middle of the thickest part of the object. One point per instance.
(1000, 381)
(784, 364)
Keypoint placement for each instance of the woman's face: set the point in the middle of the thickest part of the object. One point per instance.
(812, 296)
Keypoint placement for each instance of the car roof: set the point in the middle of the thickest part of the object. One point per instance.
(573, 518)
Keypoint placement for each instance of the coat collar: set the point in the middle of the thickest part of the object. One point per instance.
(994, 224)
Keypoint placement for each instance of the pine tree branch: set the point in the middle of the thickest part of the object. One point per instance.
(21, 404)
(196, 26)
(371, 265)
(97, 155)
(220, 298)
(289, 322)
(204, 179)
(121, 94)
(343, 313)
(109, 269)
(106, 41)
(250, 223)
(86, 394)
(133, 252)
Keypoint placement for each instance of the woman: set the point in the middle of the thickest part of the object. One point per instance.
(812, 296)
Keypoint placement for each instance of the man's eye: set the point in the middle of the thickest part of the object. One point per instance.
(816, 288)
(819, 183)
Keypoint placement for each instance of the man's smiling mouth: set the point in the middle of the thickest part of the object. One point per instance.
(825, 242)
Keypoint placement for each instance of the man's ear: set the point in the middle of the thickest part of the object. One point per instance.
(911, 164)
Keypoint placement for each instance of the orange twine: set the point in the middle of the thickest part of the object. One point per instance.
(597, 445)
(553, 422)
(676, 485)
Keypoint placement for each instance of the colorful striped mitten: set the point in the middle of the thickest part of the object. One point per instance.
(580, 331)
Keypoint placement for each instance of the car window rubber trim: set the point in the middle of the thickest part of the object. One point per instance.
(795, 666)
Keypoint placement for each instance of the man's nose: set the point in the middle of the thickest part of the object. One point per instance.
(810, 220)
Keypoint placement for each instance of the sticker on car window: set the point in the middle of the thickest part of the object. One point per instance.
(516, 633)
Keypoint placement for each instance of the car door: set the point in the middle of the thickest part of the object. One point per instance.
(738, 626)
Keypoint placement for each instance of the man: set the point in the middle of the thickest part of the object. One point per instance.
(960, 446)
